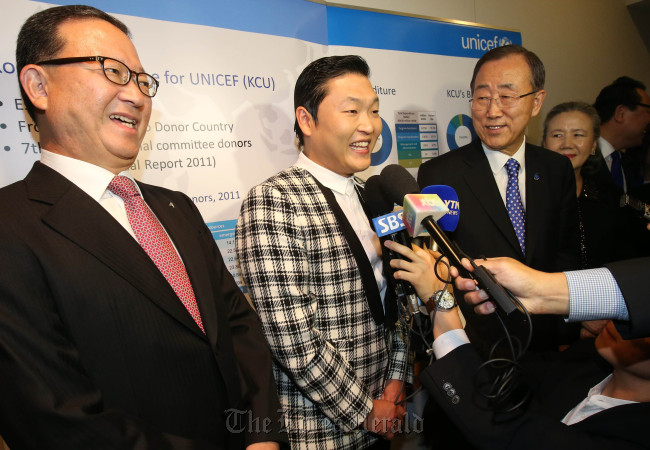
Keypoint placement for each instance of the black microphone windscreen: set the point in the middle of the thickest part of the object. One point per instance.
(378, 203)
(397, 182)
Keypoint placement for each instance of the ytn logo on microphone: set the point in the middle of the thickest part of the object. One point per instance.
(453, 206)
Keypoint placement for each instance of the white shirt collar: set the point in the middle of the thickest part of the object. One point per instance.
(605, 147)
(91, 179)
(326, 177)
(594, 403)
(345, 195)
(499, 159)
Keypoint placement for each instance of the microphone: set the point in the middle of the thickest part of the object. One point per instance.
(395, 185)
(448, 195)
(387, 226)
(397, 182)
(419, 214)
(384, 224)
(418, 208)
(378, 203)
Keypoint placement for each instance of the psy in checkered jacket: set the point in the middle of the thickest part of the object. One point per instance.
(338, 362)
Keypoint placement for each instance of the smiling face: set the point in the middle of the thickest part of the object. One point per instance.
(86, 116)
(347, 128)
(571, 134)
(499, 128)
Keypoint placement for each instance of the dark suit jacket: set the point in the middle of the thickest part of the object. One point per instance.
(623, 230)
(632, 279)
(557, 387)
(484, 228)
(96, 350)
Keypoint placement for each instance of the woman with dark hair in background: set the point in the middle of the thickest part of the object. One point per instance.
(572, 129)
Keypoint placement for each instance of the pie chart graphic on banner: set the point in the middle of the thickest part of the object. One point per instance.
(384, 145)
(460, 131)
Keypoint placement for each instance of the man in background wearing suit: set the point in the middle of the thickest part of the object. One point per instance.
(120, 326)
(624, 110)
(516, 199)
(313, 267)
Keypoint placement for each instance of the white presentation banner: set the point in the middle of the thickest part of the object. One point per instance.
(223, 118)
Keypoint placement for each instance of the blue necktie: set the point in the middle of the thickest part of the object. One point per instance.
(617, 169)
(513, 203)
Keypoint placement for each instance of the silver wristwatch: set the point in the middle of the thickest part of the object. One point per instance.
(441, 301)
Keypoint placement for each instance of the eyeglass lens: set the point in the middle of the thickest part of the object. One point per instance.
(120, 74)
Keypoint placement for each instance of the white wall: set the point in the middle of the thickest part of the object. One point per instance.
(584, 44)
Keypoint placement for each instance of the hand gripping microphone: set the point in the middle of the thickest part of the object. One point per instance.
(503, 385)
(386, 226)
(419, 215)
(391, 226)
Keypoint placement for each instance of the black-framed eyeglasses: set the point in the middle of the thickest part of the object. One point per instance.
(645, 105)
(115, 71)
(503, 101)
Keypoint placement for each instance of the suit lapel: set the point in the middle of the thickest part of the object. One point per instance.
(83, 221)
(481, 182)
(189, 248)
(390, 296)
(536, 197)
(365, 269)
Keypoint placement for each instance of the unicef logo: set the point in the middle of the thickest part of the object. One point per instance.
(484, 44)
(504, 41)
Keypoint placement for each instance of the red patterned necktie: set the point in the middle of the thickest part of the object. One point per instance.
(156, 243)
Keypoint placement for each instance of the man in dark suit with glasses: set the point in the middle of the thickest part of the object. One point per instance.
(516, 199)
(120, 326)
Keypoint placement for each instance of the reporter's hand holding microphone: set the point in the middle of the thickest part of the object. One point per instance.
(420, 270)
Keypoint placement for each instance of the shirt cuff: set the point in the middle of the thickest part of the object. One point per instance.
(449, 341)
(594, 295)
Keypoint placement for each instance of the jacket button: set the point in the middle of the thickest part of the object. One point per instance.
(446, 386)
(455, 399)
(451, 392)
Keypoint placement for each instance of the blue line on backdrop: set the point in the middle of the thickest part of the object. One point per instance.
(298, 19)
(321, 24)
(357, 28)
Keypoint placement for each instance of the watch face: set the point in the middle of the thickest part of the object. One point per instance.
(445, 300)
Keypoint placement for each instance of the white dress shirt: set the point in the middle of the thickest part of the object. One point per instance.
(94, 181)
(607, 149)
(347, 198)
(498, 162)
(594, 295)
(595, 402)
(449, 341)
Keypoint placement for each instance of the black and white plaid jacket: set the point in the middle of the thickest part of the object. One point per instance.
(331, 357)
